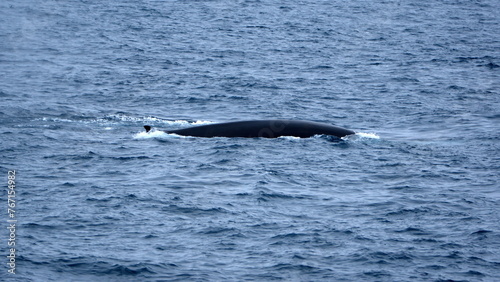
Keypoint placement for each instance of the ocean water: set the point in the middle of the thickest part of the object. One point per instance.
(413, 196)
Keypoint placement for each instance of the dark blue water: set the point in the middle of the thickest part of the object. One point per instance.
(414, 196)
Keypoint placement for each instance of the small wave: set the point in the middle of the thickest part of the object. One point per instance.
(296, 267)
(194, 211)
(120, 118)
(279, 195)
(38, 226)
(164, 121)
(220, 230)
(481, 232)
(290, 235)
(54, 119)
(99, 267)
(125, 118)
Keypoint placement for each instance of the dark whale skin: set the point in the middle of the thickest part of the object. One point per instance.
(263, 128)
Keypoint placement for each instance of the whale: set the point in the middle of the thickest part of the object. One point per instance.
(262, 128)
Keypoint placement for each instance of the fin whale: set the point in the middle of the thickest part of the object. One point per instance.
(262, 128)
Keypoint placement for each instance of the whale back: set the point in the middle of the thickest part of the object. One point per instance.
(263, 128)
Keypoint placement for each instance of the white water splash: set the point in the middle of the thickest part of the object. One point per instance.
(360, 136)
(151, 134)
(290, 137)
(367, 135)
(157, 134)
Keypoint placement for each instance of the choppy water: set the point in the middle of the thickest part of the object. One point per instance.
(414, 196)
